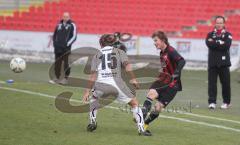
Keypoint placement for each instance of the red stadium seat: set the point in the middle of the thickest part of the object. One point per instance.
(140, 17)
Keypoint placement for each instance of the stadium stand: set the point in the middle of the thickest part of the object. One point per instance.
(185, 18)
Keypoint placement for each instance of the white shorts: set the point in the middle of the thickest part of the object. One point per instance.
(121, 91)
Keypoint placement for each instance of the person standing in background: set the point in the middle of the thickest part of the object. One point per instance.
(219, 42)
(118, 43)
(64, 36)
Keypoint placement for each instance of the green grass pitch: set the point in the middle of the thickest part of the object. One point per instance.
(31, 118)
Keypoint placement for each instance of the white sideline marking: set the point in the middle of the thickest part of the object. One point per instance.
(200, 123)
(162, 116)
(34, 93)
(210, 117)
(2, 82)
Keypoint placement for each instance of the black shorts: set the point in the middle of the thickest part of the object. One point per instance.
(165, 94)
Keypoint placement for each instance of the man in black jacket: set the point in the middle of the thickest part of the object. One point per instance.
(219, 42)
(64, 35)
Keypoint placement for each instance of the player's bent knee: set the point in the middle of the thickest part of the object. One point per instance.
(159, 106)
(133, 102)
(152, 94)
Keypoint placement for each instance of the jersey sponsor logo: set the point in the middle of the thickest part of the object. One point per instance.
(109, 75)
(164, 61)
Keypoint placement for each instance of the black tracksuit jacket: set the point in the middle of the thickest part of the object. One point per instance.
(219, 54)
(64, 36)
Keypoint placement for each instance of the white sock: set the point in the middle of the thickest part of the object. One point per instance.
(94, 104)
(138, 115)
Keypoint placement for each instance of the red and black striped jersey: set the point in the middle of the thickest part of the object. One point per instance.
(169, 59)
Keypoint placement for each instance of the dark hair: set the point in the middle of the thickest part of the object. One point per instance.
(221, 17)
(117, 34)
(107, 40)
(161, 35)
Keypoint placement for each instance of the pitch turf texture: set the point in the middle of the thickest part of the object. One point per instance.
(28, 115)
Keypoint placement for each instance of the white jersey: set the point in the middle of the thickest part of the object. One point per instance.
(108, 64)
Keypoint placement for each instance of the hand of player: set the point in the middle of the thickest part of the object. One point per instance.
(135, 83)
(174, 76)
(220, 42)
(210, 39)
(85, 96)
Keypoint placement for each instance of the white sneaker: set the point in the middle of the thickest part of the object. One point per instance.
(54, 81)
(212, 106)
(225, 106)
(64, 81)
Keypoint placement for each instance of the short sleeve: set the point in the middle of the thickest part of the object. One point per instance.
(94, 64)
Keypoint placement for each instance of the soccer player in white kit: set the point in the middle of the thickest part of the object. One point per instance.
(106, 79)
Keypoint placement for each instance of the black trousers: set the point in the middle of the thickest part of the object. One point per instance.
(59, 59)
(224, 75)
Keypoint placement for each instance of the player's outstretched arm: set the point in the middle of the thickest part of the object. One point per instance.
(133, 80)
(180, 64)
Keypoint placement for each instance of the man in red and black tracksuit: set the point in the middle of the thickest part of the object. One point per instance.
(219, 42)
(172, 63)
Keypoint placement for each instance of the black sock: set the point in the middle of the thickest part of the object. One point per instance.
(153, 115)
(147, 105)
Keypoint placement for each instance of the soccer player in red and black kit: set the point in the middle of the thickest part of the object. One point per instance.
(172, 63)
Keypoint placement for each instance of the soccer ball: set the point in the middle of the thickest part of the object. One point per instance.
(18, 65)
